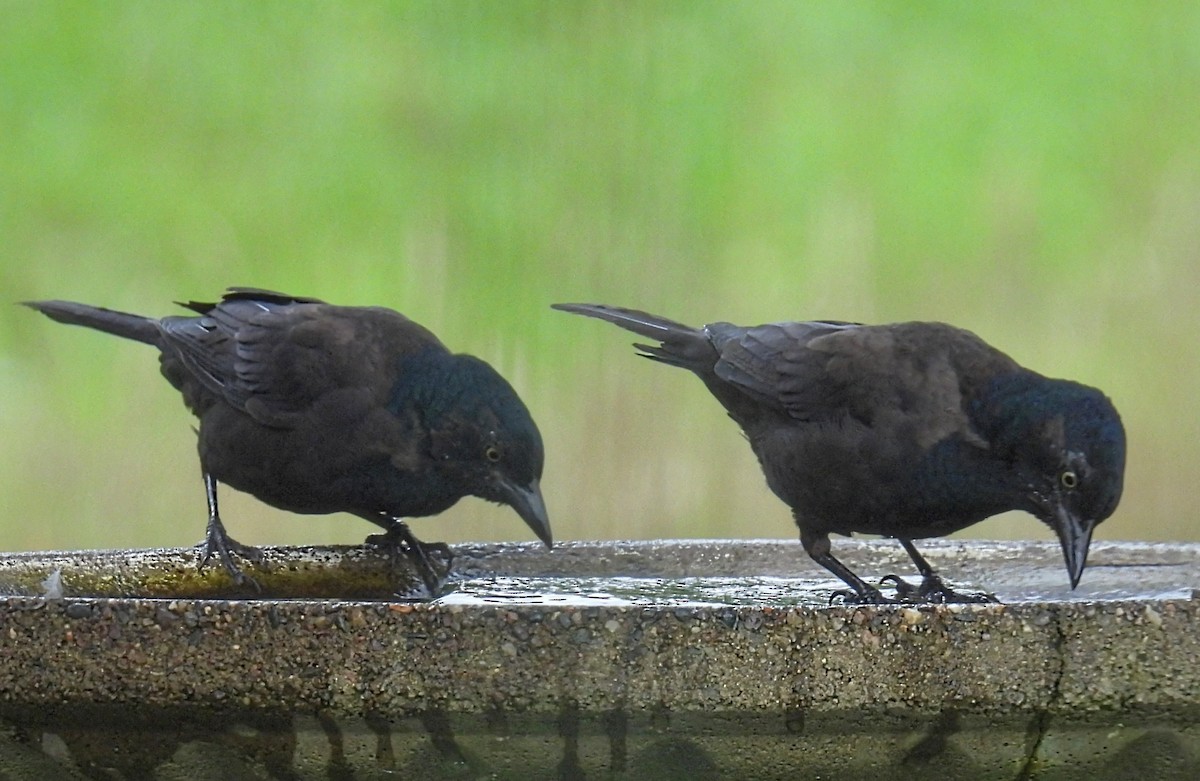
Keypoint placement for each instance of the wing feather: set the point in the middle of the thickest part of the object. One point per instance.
(904, 379)
(274, 356)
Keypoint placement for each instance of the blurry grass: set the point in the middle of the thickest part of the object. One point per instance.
(1030, 172)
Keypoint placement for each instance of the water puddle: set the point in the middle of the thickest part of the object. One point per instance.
(750, 590)
(633, 591)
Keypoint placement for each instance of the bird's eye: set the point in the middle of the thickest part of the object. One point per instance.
(1069, 479)
(492, 453)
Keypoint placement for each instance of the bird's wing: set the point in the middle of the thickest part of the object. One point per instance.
(775, 365)
(248, 294)
(907, 377)
(274, 356)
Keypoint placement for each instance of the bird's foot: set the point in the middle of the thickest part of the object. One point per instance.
(905, 591)
(933, 590)
(217, 542)
(398, 538)
(868, 595)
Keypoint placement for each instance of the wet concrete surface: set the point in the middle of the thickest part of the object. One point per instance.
(708, 659)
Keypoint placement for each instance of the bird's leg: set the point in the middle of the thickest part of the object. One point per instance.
(397, 536)
(217, 540)
(932, 588)
(817, 546)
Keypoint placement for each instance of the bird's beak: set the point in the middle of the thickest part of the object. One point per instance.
(528, 502)
(1075, 535)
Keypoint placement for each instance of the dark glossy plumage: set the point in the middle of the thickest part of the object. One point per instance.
(908, 430)
(315, 408)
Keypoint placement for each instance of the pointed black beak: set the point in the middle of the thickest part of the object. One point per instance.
(1075, 535)
(528, 502)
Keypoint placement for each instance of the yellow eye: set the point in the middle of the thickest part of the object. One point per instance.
(492, 453)
(1069, 479)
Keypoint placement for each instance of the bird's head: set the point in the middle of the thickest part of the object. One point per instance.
(485, 435)
(1067, 442)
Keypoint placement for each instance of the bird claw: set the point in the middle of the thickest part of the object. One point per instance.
(224, 547)
(905, 591)
(933, 590)
(399, 539)
(869, 596)
(441, 549)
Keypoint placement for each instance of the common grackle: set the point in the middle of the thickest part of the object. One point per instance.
(909, 430)
(315, 408)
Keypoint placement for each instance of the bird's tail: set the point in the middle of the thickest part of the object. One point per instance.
(681, 345)
(136, 327)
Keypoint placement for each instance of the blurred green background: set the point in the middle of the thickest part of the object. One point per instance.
(1029, 171)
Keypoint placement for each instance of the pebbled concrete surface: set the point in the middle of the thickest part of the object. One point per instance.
(615, 660)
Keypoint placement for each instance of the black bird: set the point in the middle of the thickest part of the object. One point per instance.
(316, 408)
(909, 430)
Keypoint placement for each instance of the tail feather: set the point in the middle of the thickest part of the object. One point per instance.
(642, 323)
(681, 345)
(136, 327)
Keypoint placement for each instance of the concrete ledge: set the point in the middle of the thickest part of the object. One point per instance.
(629, 660)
